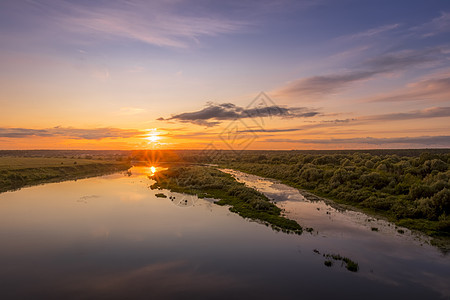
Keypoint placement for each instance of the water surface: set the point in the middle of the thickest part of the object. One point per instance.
(110, 237)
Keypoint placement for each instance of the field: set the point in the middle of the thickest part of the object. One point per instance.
(17, 172)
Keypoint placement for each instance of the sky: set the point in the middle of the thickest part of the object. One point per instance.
(175, 74)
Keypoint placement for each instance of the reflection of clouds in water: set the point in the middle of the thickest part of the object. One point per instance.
(435, 282)
(154, 281)
(131, 197)
(100, 232)
(84, 199)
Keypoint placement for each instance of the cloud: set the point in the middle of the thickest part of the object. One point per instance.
(69, 132)
(427, 113)
(152, 22)
(436, 26)
(319, 86)
(429, 89)
(403, 59)
(421, 140)
(22, 132)
(432, 112)
(369, 33)
(322, 85)
(214, 113)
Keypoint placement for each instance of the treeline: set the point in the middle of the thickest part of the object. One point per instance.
(412, 190)
(409, 186)
(209, 182)
(80, 154)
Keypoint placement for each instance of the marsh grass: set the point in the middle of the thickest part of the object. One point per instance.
(350, 265)
(211, 183)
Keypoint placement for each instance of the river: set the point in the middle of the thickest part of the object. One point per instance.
(111, 237)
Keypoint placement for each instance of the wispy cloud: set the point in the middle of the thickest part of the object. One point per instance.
(427, 113)
(369, 33)
(319, 86)
(401, 60)
(441, 141)
(69, 132)
(432, 112)
(437, 89)
(214, 113)
(436, 26)
(151, 22)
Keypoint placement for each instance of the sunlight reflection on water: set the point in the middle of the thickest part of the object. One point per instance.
(121, 241)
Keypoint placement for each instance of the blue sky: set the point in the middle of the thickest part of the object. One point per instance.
(369, 69)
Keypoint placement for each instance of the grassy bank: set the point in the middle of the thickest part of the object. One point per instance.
(18, 172)
(209, 182)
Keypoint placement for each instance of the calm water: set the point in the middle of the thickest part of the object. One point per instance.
(110, 237)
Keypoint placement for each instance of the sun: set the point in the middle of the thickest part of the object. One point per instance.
(152, 136)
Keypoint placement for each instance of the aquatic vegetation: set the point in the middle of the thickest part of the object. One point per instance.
(349, 264)
(160, 195)
(328, 263)
(209, 182)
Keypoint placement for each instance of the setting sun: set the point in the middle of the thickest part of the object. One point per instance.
(153, 136)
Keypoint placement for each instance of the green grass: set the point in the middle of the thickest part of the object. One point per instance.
(18, 172)
(212, 183)
(18, 163)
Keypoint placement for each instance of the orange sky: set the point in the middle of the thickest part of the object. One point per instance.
(189, 74)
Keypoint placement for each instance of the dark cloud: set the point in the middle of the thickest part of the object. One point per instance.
(213, 114)
(22, 132)
(421, 140)
(69, 132)
(316, 86)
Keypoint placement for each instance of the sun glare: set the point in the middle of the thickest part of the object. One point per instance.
(152, 136)
(152, 169)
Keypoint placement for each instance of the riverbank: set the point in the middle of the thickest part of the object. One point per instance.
(211, 183)
(436, 229)
(19, 172)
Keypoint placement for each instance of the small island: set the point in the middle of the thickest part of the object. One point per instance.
(209, 182)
